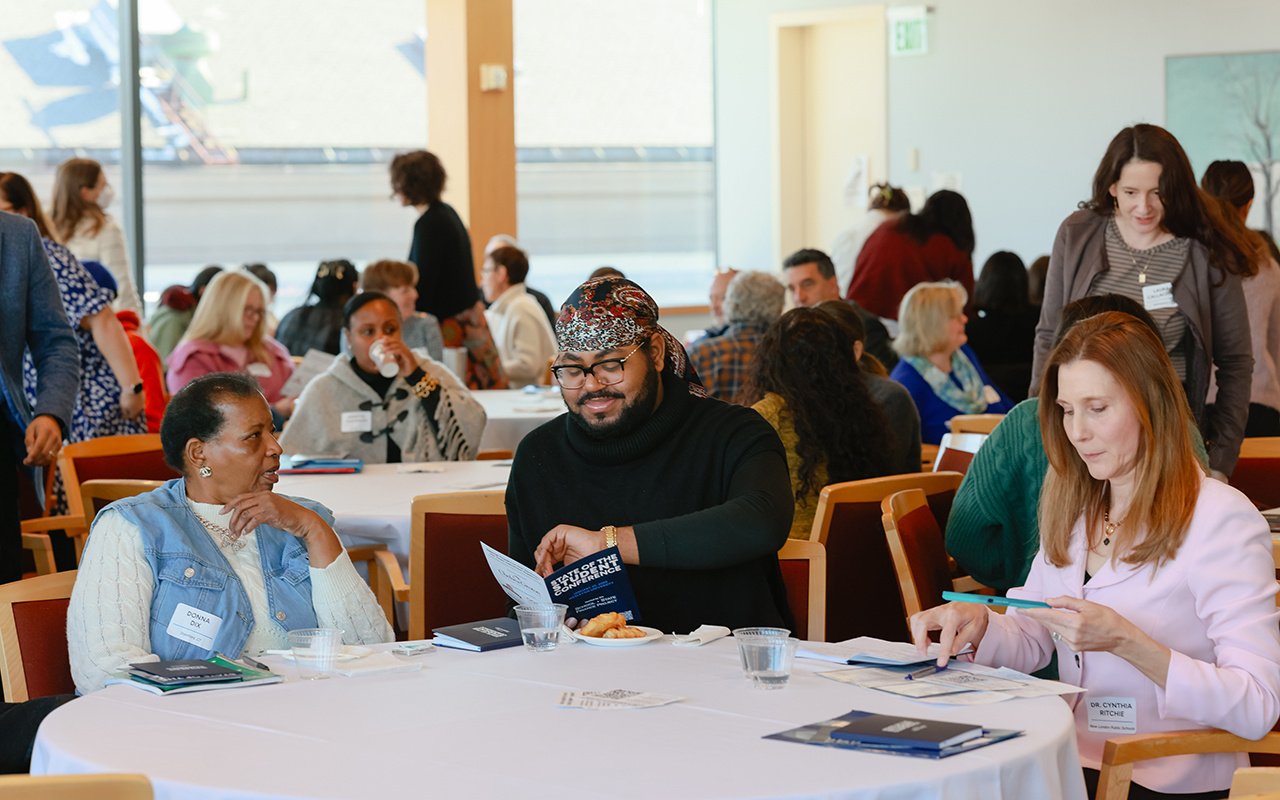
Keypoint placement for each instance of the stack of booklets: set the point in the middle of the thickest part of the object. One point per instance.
(895, 735)
(180, 677)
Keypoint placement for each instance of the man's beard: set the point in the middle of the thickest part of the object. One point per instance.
(631, 417)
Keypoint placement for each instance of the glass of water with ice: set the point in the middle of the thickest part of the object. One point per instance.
(540, 625)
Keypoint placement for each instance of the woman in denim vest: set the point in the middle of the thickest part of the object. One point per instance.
(213, 562)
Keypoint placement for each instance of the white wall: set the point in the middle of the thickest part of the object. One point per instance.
(1018, 96)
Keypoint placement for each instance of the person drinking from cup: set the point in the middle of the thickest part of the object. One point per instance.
(214, 561)
(1159, 580)
(385, 403)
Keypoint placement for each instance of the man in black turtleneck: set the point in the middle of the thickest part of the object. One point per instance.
(694, 492)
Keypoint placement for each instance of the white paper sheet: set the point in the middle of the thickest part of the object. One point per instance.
(519, 582)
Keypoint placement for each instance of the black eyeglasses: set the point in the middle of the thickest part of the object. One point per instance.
(367, 437)
(572, 376)
(369, 405)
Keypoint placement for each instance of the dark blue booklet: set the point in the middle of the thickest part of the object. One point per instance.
(866, 732)
(589, 586)
(482, 636)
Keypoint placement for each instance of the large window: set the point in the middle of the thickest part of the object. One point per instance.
(266, 127)
(267, 130)
(58, 87)
(614, 137)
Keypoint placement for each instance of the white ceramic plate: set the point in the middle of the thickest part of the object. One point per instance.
(350, 652)
(649, 635)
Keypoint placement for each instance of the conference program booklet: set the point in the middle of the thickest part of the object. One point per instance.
(480, 637)
(831, 733)
(244, 676)
(589, 586)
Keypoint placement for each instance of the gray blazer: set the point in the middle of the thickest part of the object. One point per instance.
(1216, 316)
(31, 316)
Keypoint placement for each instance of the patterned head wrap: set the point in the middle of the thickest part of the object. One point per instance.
(611, 313)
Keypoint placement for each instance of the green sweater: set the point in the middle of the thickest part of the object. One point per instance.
(993, 531)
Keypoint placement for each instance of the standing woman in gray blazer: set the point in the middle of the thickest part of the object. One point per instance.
(1149, 233)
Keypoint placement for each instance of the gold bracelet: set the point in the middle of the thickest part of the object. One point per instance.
(423, 388)
(610, 536)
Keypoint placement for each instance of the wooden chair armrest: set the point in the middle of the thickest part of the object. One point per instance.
(966, 583)
(73, 525)
(1119, 754)
(389, 568)
(1255, 782)
(41, 548)
(364, 552)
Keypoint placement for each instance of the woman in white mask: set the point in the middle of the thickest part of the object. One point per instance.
(81, 196)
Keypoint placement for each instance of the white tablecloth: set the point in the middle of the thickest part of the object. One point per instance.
(512, 413)
(487, 725)
(372, 506)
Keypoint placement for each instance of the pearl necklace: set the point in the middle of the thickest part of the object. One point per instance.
(226, 538)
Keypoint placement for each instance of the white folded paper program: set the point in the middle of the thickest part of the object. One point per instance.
(959, 684)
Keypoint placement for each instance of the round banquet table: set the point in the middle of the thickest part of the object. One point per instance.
(487, 725)
(512, 413)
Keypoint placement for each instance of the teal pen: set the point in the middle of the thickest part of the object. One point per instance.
(924, 672)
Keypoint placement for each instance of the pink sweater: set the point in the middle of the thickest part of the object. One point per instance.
(1213, 605)
(192, 359)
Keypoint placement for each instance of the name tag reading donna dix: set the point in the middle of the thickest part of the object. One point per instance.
(1113, 714)
(194, 626)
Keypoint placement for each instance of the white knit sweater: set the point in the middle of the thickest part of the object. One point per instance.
(107, 248)
(108, 621)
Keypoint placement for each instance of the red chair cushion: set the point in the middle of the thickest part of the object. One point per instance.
(926, 553)
(953, 460)
(147, 465)
(459, 584)
(42, 638)
(1259, 480)
(863, 598)
(795, 574)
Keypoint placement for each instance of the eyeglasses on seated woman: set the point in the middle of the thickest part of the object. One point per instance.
(218, 540)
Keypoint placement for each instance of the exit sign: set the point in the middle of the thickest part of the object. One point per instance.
(908, 30)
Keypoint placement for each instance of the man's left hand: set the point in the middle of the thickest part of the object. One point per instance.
(43, 440)
(565, 544)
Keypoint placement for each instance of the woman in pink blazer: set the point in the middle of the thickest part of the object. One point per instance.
(227, 334)
(1160, 579)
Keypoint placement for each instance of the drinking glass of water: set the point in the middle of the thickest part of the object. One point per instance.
(540, 625)
(766, 658)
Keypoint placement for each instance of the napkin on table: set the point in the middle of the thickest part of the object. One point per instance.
(703, 634)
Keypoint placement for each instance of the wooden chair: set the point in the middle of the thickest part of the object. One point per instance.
(36, 521)
(494, 455)
(33, 637)
(98, 493)
(862, 587)
(1119, 755)
(974, 423)
(919, 552)
(956, 451)
(134, 456)
(449, 579)
(1257, 472)
(804, 571)
(1255, 782)
(76, 787)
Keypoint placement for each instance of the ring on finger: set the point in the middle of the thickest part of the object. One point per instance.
(1057, 637)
